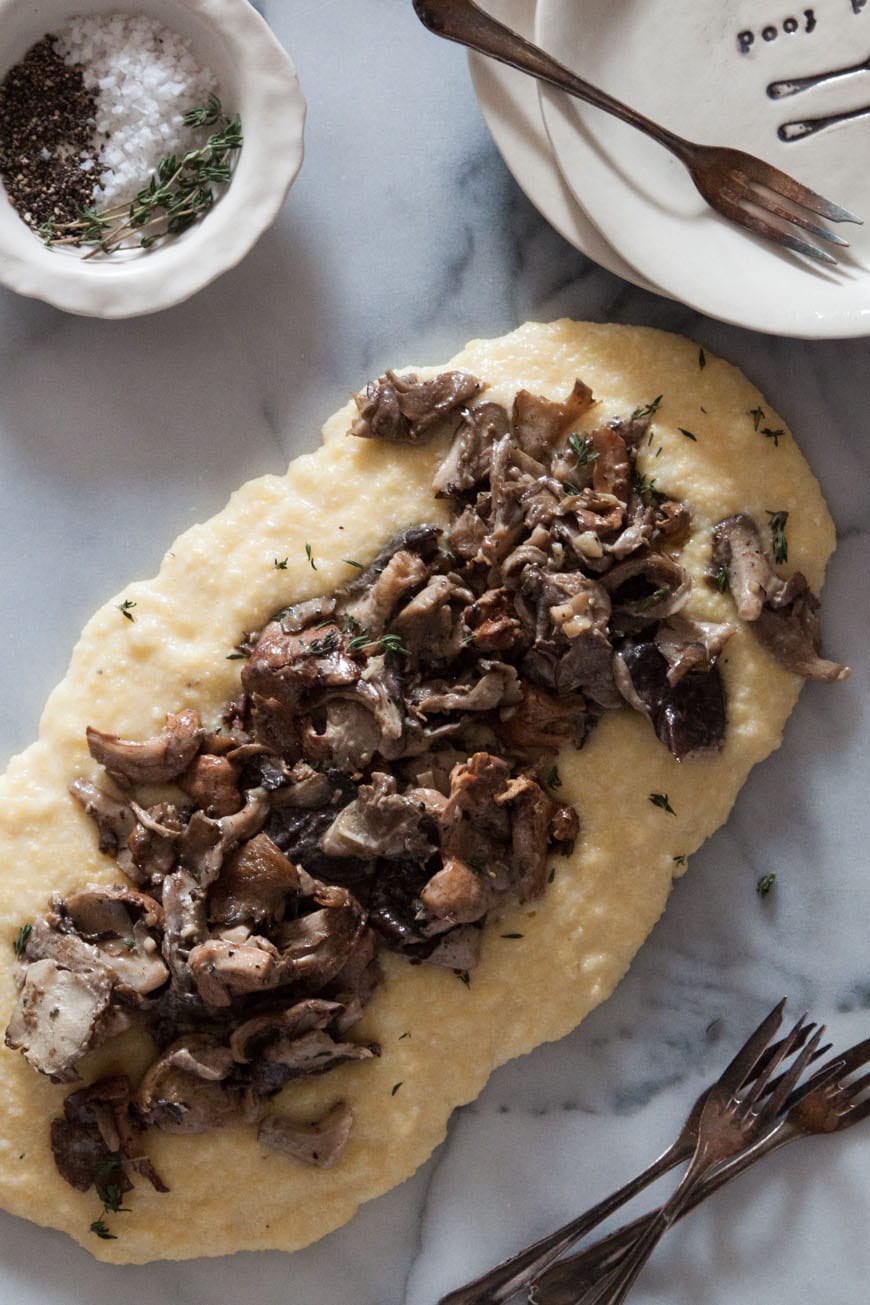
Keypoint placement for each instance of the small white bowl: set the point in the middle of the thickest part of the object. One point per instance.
(256, 79)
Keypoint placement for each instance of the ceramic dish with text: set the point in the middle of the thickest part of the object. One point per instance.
(512, 110)
(256, 80)
(704, 72)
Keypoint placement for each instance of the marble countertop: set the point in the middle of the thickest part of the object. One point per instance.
(404, 236)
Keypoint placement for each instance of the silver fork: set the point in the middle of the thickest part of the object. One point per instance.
(740, 186)
(827, 1103)
(731, 1121)
(499, 1284)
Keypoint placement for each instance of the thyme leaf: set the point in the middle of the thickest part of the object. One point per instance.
(99, 1227)
(757, 415)
(125, 609)
(21, 940)
(688, 434)
(648, 409)
(583, 450)
(661, 800)
(765, 884)
(282, 565)
(773, 434)
(322, 647)
(310, 556)
(655, 597)
(702, 359)
(180, 192)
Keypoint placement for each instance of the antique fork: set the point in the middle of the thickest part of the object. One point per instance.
(827, 1103)
(741, 187)
(754, 1059)
(731, 1121)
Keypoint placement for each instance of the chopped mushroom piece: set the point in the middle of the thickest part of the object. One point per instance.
(154, 761)
(689, 716)
(783, 612)
(321, 1143)
(792, 633)
(405, 409)
(57, 1015)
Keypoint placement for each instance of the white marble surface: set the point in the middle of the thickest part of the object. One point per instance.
(403, 237)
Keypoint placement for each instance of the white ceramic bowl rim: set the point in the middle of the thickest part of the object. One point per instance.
(257, 79)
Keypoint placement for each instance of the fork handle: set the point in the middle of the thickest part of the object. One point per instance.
(464, 22)
(506, 1279)
(564, 1282)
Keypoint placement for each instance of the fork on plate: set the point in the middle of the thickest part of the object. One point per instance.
(742, 188)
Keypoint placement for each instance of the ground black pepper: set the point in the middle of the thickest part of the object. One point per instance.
(46, 124)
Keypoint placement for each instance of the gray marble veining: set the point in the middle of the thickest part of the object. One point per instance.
(403, 237)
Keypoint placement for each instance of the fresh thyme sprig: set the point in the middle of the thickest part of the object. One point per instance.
(179, 194)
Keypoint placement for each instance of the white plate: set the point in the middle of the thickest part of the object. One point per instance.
(681, 63)
(512, 110)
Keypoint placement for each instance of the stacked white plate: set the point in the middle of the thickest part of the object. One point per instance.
(703, 70)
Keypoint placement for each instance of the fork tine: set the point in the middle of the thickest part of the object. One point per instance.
(791, 1077)
(754, 192)
(782, 184)
(854, 1057)
(843, 1064)
(747, 1058)
(744, 218)
(860, 1085)
(786, 1048)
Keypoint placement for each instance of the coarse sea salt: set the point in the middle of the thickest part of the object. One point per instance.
(145, 79)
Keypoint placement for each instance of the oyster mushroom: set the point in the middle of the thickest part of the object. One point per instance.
(320, 1143)
(152, 761)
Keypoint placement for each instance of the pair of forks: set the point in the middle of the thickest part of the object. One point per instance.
(744, 189)
(755, 1107)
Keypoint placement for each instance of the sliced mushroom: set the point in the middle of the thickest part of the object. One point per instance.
(379, 822)
(540, 423)
(688, 716)
(689, 645)
(283, 1059)
(222, 970)
(302, 1017)
(115, 820)
(468, 459)
(212, 783)
(457, 894)
(405, 409)
(125, 927)
(739, 551)
(792, 633)
(57, 1016)
(253, 884)
(531, 812)
(648, 588)
(152, 761)
(321, 1143)
(180, 1100)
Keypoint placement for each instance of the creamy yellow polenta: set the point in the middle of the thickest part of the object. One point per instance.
(219, 580)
